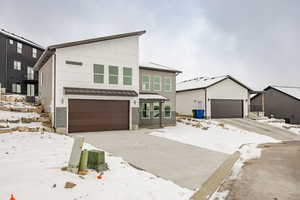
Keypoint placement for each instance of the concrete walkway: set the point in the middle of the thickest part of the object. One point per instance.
(261, 128)
(186, 165)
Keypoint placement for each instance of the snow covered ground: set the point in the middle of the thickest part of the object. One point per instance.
(222, 138)
(31, 164)
(274, 122)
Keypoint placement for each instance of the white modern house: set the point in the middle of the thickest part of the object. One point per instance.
(219, 97)
(92, 85)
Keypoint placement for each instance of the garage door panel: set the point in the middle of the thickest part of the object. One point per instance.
(226, 108)
(98, 115)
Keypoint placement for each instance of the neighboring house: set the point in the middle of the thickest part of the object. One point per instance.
(220, 97)
(92, 85)
(280, 101)
(157, 95)
(17, 58)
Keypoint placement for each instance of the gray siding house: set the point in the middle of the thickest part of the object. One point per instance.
(157, 95)
(280, 101)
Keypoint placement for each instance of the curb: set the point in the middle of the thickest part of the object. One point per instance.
(213, 182)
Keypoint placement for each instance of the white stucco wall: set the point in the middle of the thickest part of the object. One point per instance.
(189, 100)
(122, 52)
(227, 89)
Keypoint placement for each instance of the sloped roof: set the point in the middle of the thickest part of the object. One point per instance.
(289, 90)
(51, 49)
(152, 97)
(159, 67)
(99, 92)
(20, 38)
(204, 82)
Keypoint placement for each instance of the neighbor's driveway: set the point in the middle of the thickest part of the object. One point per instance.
(261, 128)
(186, 165)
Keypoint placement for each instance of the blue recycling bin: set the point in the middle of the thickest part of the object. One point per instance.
(198, 113)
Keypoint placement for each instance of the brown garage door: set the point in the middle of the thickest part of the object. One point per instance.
(98, 115)
(226, 108)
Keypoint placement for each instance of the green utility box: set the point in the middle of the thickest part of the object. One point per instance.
(96, 160)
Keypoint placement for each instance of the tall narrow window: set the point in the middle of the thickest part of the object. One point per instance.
(127, 76)
(98, 73)
(156, 83)
(30, 73)
(41, 78)
(17, 65)
(30, 90)
(16, 88)
(145, 110)
(167, 110)
(156, 110)
(113, 75)
(146, 82)
(19, 47)
(167, 84)
(34, 53)
(11, 41)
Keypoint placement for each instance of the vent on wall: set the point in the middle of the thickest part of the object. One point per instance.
(73, 63)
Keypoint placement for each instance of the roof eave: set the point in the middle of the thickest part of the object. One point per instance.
(158, 69)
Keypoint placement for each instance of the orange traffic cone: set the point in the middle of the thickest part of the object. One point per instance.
(100, 175)
(12, 197)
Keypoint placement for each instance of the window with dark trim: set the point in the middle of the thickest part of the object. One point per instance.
(98, 73)
(127, 76)
(113, 75)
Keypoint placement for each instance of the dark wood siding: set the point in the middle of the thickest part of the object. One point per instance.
(226, 108)
(98, 115)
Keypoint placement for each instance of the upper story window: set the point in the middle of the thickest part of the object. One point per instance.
(11, 41)
(19, 47)
(113, 75)
(146, 82)
(17, 65)
(157, 83)
(16, 88)
(34, 53)
(30, 73)
(167, 84)
(127, 76)
(98, 73)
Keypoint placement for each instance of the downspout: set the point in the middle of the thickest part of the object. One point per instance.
(205, 96)
(54, 93)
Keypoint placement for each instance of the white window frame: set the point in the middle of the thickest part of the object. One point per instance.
(19, 47)
(153, 111)
(167, 104)
(98, 74)
(11, 41)
(113, 75)
(127, 76)
(41, 78)
(155, 83)
(30, 90)
(17, 65)
(149, 83)
(170, 81)
(30, 73)
(34, 52)
(147, 110)
(16, 88)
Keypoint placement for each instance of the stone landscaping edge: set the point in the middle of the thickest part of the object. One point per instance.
(213, 182)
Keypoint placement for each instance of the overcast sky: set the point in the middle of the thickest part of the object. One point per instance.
(256, 41)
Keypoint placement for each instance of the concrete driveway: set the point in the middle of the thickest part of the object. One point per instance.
(261, 128)
(186, 165)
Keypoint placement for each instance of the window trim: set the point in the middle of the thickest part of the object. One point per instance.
(147, 110)
(154, 110)
(15, 88)
(98, 74)
(168, 78)
(149, 82)
(31, 90)
(167, 104)
(19, 48)
(34, 52)
(11, 41)
(113, 75)
(127, 76)
(29, 67)
(153, 81)
(17, 67)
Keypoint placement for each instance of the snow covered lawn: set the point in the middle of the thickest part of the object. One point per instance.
(222, 138)
(275, 122)
(30, 167)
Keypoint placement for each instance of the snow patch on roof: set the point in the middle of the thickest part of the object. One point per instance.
(199, 82)
(290, 90)
(20, 38)
(152, 65)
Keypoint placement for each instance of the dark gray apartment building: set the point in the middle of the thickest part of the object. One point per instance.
(17, 58)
